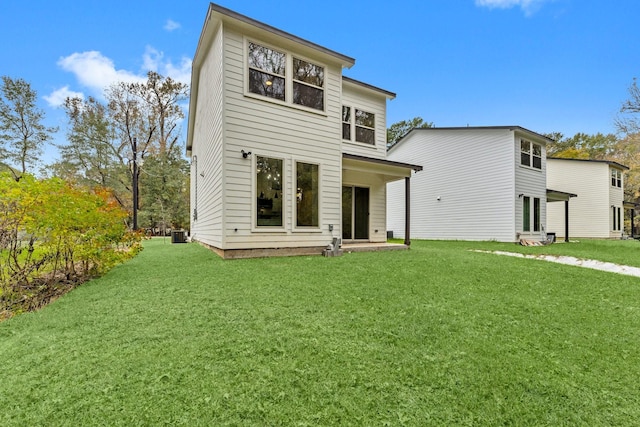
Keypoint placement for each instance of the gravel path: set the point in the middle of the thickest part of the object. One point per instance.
(569, 260)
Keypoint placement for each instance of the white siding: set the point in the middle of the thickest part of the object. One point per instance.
(616, 198)
(466, 190)
(207, 180)
(590, 212)
(529, 182)
(270, 129)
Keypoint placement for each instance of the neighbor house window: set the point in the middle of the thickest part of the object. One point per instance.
(268, 194)
(346, 123)
(308, 84)
(527, 224)
(267, 71)
(616, 178)
(307, 201)
(530, 154)
(365, 127)
(616, 213)
(526, 213)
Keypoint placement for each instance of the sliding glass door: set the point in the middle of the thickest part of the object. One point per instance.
(355, 213)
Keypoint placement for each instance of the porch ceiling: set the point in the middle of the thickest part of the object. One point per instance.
(391, 170)
(559, 196)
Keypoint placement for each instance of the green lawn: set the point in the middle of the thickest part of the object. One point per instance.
(438, 335)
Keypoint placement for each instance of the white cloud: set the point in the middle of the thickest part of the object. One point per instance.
(58, 96)
(96, 71)
(171, 25)
(528, 6)
(153, 60)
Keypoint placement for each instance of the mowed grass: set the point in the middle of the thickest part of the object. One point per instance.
(438, 335)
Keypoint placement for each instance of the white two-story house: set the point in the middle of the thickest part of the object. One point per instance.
(478, 183)
(286, 152)
(598, 211)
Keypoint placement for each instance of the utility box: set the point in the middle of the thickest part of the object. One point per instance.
(178, 236)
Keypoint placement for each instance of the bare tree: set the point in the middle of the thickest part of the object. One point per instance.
(22, 134)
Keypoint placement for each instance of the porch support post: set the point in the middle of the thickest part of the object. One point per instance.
(633, 213)
(407, 211)
(566, 221)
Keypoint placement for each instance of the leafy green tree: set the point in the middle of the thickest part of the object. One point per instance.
(583, 146)
(22, 133)
(401, 128)
(142, 117)
(52, 234)
(165, 191)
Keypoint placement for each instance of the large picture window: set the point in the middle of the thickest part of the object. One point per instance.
(307, 202)
(268, 195)
(267, 71)
(284, 77)
(530, 154)
(308, 84)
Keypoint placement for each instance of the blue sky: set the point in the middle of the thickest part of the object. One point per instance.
(547, 65)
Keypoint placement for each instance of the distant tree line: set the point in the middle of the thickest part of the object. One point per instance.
(101, 138)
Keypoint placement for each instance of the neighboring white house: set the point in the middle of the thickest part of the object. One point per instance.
(478, 183)
(598, 211)
(286, 152)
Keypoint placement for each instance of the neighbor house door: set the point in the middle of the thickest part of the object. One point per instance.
(355, 213)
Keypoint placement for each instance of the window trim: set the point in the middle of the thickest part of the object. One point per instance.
(526, 214)
(531, 154)
(353, 125)
(289, 80)
(254, 190)
(616, 178)
(534, 214)
(346, 122)
(294, 209)
(616, 214)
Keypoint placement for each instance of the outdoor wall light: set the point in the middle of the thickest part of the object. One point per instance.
(245, 154)
(520, 195)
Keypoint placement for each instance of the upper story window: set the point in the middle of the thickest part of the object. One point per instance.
(267, 72)
(363, 122)
(530, 154)
(308, 84)
(273, 74)
(365, 127)
(346, 123)
(616, 178)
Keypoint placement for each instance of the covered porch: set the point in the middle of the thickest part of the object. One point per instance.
(632, 207)
(364, 200)
(561, 196)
